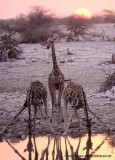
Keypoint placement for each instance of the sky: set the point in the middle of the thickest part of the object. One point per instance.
(13, 8)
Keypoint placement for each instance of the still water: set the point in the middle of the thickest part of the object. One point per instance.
(95, 147)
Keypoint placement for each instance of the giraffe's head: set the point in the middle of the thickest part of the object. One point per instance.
(50, 42)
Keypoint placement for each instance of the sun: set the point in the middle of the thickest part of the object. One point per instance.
(82, 13)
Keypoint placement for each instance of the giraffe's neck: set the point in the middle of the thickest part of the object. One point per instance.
(55, 66)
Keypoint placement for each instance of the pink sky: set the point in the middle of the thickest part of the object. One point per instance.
(12, 8)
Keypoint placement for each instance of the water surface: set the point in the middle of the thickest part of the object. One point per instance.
(94, 147)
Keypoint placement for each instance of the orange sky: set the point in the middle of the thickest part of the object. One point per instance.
(12, 8)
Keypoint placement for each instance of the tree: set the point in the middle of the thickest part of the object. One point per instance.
(107, 16)
(77, 27)
(36, 26)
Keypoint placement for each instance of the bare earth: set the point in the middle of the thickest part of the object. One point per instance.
(87, 66)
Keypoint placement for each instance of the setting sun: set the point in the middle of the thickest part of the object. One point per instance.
(82, 13)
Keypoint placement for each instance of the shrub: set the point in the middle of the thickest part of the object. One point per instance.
(9, 48)
(108, 84)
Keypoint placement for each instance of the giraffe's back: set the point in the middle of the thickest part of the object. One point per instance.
(56, 79)
(37, 92)
(75, 95)
(38, 87)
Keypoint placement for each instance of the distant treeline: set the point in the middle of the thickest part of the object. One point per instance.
(107, 16)
(40, 23)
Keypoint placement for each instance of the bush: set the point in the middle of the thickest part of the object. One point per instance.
(9, 48)
(108, 84)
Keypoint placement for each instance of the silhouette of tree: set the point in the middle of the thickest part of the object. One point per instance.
(77, 28)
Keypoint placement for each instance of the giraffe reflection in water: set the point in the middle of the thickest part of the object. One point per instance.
(58, 148)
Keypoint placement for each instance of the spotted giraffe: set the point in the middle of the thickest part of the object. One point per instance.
(55, 80)
(75, 96)
(36, 97)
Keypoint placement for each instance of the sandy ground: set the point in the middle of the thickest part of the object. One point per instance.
(86, 66)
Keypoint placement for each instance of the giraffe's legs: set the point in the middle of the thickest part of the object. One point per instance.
(15, 117)
(88, 122)
(77, 115)
(65, 105)
(98, 118)
(59, 100)
(73, 109)
(45, 104)
(54, 102)
(44, 116)
(71, 115)
(35, 113)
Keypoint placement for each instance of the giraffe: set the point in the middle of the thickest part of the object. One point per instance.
(75, 96)
(36, 97)
(55, 80)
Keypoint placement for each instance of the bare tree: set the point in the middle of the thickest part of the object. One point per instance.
(77, 28)
(36, 26)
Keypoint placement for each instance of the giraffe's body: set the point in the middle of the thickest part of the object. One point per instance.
(75, 96)
(55, 80)
(36, 96)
